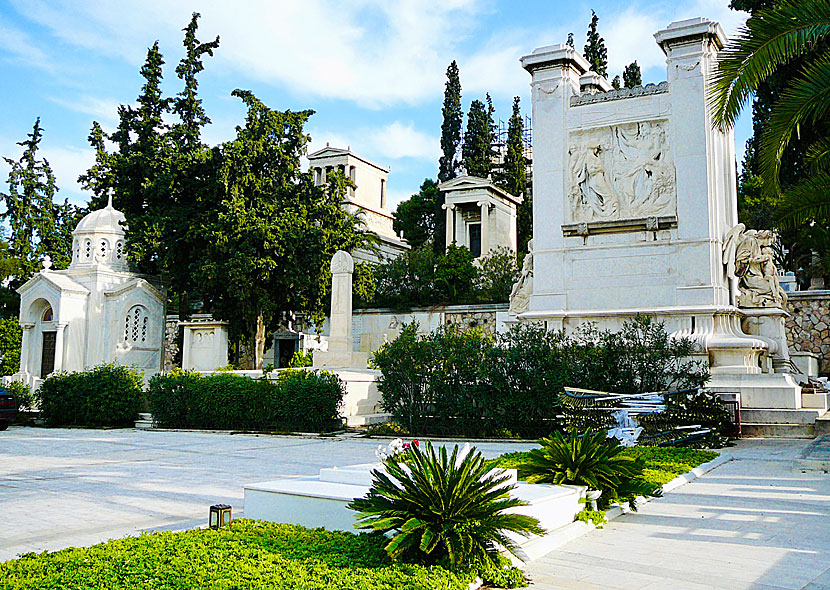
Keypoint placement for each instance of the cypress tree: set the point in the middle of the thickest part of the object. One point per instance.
(595, 51)
(451, 126)
(514, 175)
(476, 152)
(632, 76)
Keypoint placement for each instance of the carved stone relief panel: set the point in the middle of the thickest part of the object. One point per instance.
(620, 172)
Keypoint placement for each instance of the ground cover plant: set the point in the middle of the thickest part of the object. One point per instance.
(298, 400)
(660, 464)
(442, 507)
(246, 555)
(107, 395)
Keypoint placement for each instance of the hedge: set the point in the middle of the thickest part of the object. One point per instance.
(246, 555)
(473, 384)
(107, 395)
(298, 401)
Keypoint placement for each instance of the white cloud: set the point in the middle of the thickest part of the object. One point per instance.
(68, 163)
(398, 140)
(103, 110)
(21, 49)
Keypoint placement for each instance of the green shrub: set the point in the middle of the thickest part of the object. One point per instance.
(23, 395)
(298, 401)
(442, 508)
(246, 555)
(301, 359)
(595, 517)
(588, 459)
(497, 272)
(11, 335)
(107, 395)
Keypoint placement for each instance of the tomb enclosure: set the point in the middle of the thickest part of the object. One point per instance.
(94, 312)
(635, 212)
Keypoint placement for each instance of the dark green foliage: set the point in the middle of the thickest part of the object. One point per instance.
(468, 384)
(451, 126)
(615, 83)
(11, 335)
(298, 401)
(477, 150)
(595, 51)
(247, 555)
(421, 218)
(455, 274)
(632, 76)
(592, 460)
(37, 225)
(107, 395)
(364, 284)
(407, 281)
(275, 231)
(513, 177)
(700, 407)
(496, 275)
(443, 508)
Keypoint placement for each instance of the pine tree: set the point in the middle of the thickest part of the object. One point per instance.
(514, 175)
(595, 51)
(476, 153)
(632, 76)
(451, 126)
(36, 224)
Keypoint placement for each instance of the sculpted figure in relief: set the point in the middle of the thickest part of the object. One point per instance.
(620, 172)
(750, 261)
(523, 288)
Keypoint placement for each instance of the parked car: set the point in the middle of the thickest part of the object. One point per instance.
(8, 408)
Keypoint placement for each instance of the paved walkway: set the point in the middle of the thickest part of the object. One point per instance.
(73, 487)
(754, 522)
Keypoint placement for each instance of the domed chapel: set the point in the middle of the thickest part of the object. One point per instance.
(94, 312)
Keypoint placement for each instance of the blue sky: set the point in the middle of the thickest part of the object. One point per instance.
(373, 70)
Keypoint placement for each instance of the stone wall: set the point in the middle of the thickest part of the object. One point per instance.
(473, 318)
(808, 327)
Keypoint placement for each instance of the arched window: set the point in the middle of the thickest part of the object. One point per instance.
(103, 248)
(47, 315)
(136, 326)
(119, 250)
(76, 248)
(88, 249)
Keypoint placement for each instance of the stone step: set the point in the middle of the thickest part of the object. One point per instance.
(750, 430)
(816, 401)
(777, 416)
(367, 419)
(145, 421)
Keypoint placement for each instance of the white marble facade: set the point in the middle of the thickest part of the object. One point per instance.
(368, 197)
(480, 215)
(634, 198)
(94, 312)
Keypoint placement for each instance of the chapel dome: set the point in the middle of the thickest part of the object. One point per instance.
(102, 221)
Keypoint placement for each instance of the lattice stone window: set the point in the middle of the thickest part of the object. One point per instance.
(136, 326)
(104, 248)
(76, 246)
(88, 249)
(119, 250)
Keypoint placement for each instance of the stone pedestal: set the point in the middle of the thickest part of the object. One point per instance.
(205, 345)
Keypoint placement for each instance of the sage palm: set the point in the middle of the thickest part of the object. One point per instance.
(442, 507)
(772, 39)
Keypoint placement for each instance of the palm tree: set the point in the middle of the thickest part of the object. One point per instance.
(769, 41)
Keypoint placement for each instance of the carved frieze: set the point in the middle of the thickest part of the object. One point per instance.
(620, 172)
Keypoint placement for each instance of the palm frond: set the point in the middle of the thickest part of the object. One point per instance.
(805, 101)
(817, 156)
(806, 201)
(768, 40)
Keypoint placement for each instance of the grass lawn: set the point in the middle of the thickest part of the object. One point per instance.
(663, 464)
(247, 554)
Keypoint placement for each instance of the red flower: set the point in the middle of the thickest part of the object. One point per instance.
(415, 442)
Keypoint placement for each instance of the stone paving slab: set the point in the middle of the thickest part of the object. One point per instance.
(816, 457)
(75, 487)
(756, 522)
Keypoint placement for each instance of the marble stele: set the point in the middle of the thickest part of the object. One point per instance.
(94, 312)
(634, 201)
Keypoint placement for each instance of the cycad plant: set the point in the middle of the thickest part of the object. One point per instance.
(587, 459)
(442, 507)
(771, 40)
